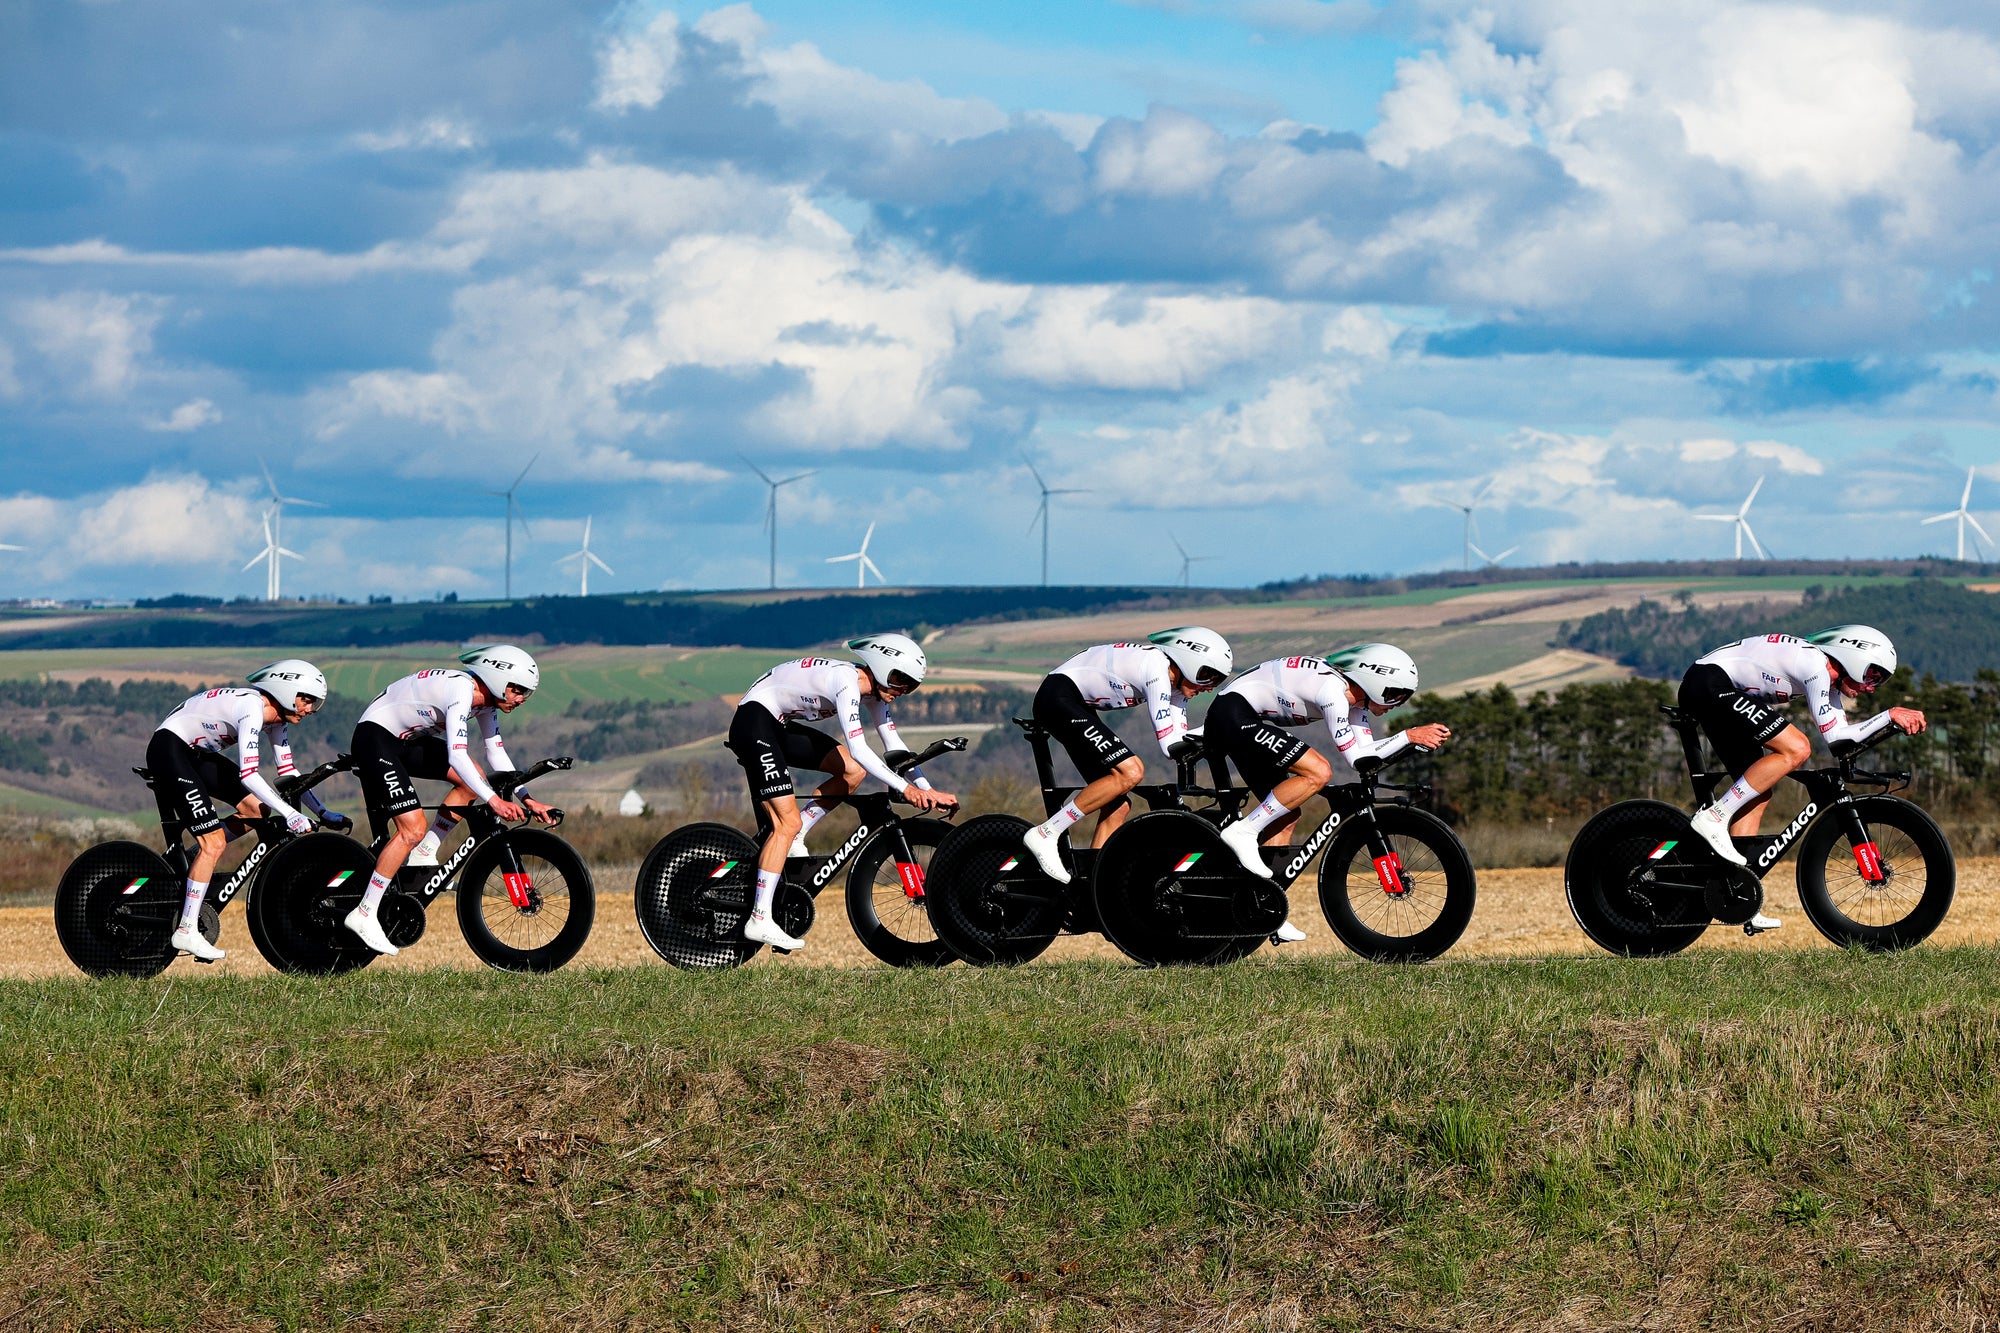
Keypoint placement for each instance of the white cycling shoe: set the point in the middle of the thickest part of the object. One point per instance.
(1242, 840)
(1760, 923)
(761, 929)
(370, 931)
(1043, 847)
(798, 847)
(1287, 934)
(1712, 827)
(191, 941)
(424, 856)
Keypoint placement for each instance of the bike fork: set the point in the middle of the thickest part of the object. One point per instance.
(1388, 865)
(1867, 856)
(907, 868)
(520, 885)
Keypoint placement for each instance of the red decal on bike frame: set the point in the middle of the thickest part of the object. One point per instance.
(1389, 869)
(912, 876)
(1868, 857)
(517, 887)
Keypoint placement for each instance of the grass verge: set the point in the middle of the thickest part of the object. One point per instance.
(1811, 1140)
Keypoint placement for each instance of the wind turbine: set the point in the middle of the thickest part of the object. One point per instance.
(275, 535)
(1042, 514)
(1472, 525)
(1492, 560)
(508, 496)
(587, 559)
(1741, 518)
(1964, 516)
(1186, 559)
(269, 555)
(863, 566)
(771, 509)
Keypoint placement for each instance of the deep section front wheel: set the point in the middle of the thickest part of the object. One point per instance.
(300, 903)
(1887, 893)
(888, 899)
(1170, 893)
(1635, 878)
(694, 893)
(989, 901)
(115, 907)
(1410, 905)
(525, 901)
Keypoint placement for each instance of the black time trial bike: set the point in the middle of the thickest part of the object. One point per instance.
(1394, 881)
(118, 902)
(1874, 871)
(525, 899)
(696, 886)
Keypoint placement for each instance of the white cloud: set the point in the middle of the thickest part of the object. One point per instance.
(1789, 457)
(1170, 153)
(635, 69)
(1103, 337)
(433, 132)
(282, 265)
(94, 340)
(807, 89)
(191, 415)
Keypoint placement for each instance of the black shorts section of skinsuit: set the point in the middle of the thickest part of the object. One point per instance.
(769, 750)
(188, 782)
(1735, 724)
(1092, 746)
(1262, 751)
(385, 762)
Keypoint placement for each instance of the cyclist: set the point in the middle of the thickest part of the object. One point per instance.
(1171, 667)
(421, 727)
(1735, 694)
(769, 739)
(189, 768)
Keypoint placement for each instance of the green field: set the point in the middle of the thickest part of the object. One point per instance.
(1800, 1141)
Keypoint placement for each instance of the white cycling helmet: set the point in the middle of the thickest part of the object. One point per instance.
(287, 681)
(498, 665)
(1862, 652)
(890, 655)
(1385, 673)
(1202, 655)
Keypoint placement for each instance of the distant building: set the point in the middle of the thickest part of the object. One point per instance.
(632, 803)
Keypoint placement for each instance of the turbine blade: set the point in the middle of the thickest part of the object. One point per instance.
(836, 559)
(867, 537)
(1504, 554)
(1754, 544)
(599, 563)
(257, 559)
(264, 467)
(5, 547)
(1035, 472)
(814, 472)
(759, 471)
(293, 554)
(1178, 547)
(1722, 518)
(1963, 499)
(294, 500)
(1941, 517)
(1968, 518)
(524, 474)
(870, 566)
(1751, 498)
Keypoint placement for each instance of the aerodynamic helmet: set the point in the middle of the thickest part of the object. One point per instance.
(1202, 655)
(498, 665)
(888, 656)
(1385, 673)
(288, 681)
(1862, 652)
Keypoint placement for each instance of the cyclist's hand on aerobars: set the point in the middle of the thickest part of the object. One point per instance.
(920, 798)
(539, 809)
(298, 823)
(506, 809)
(1431, 735)
(942, 800)
(1909, 719)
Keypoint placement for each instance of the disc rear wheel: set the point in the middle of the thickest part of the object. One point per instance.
(1633, 878)
(693, 894)
(115, 907)
(301, 901)
(988, 899)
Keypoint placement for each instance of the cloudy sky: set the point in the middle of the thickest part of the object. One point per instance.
(1276, 278)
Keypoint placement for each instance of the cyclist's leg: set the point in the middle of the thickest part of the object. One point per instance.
(1107, 765)
(764, 751)
(181, 783)
(1277, 765)
(1754, 742)
(806, 747)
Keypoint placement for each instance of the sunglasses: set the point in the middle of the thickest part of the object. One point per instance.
(1396, 698)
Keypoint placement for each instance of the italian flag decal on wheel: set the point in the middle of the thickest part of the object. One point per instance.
(1663, 849)
(1187, 862)
(135, 886)
(340, 879)
(724, 869)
